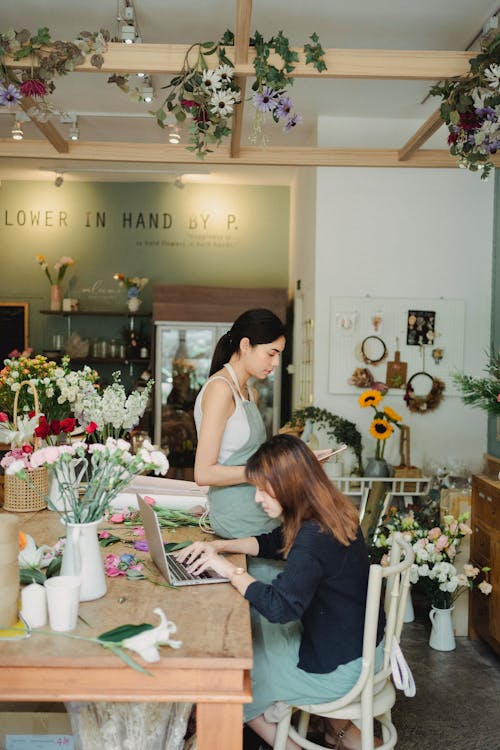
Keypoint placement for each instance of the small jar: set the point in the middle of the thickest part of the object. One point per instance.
(114, 349)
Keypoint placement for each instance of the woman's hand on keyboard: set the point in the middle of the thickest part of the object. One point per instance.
(190, 554)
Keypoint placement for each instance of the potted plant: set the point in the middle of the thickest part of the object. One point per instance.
(337, 427)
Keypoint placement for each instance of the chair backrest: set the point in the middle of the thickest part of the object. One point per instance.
(397, 577)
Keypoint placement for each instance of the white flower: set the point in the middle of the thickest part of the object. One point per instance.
(211, 80)
(146, 643)
(493, 75)
(222, 102)
(485, 587)
(32, 556)
(15, 467)
(225, 73)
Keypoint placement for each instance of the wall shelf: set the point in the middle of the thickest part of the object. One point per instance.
(107, 313)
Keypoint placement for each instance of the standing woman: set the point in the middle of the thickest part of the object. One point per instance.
(229, 424)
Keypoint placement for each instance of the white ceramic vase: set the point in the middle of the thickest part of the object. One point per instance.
(134, 303)
(409, 614)
(82, 557)
(442, 637)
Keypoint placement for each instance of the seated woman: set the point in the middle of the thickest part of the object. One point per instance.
(321, 591)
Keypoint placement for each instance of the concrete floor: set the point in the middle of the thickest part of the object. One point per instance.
(457, 705)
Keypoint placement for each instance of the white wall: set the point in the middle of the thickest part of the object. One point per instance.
(302, 258)
(415, 233)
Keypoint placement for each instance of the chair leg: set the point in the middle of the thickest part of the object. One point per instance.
(303, 723)
(282, 729)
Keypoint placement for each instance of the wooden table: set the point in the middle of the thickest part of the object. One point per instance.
(212, 669)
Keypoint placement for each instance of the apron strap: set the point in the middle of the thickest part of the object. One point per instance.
(232, 373)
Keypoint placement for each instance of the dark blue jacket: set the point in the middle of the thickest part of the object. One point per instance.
(324, 585)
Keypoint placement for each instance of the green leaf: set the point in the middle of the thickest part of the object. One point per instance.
(129, 661)
(208, 45)
(116, 635)
(30, 575)
(54, 567)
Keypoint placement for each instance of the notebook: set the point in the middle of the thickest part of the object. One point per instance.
(175, 572)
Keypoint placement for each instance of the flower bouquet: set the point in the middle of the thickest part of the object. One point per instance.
(110, 412)
(434, 571)
(470, 109)
(109, 469)
(134, 285)
(56, 386)
(60, 268)
(384, 420)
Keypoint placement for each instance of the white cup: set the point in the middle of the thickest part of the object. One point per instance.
(63, 598)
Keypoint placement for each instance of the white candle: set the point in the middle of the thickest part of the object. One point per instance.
(34, 605)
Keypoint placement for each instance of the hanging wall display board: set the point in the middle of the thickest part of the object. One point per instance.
(367, 332)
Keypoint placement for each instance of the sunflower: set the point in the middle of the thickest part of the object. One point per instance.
(369, 398)
(381, 429)
(391, 414)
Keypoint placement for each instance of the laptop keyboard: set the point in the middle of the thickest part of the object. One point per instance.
(180, 571)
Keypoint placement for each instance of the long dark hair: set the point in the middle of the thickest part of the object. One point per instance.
(296, 479)
(259, 326)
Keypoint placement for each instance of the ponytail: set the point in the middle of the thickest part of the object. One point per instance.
(259, 326)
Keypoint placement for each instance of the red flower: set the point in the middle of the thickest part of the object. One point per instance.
(452, 138)
(43, 429)
(33, 87)
(27, 448)
(3, 417)
(188, 103)
(55, 427)
(91, 427)
(68, 424)
(469, 121)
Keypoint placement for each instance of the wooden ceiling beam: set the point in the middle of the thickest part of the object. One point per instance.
(241, 37)
(49, 131)
(425, 131)
(341, 63)
(142, 153)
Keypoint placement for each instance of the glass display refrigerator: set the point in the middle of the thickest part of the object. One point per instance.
(183, 353)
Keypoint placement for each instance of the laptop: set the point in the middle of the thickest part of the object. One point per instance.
(175, 572)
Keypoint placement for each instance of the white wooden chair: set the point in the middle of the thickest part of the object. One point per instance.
(373, 695)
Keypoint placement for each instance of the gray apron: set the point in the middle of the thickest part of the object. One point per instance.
(233, 511)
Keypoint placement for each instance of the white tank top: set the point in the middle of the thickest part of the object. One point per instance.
(237, 429)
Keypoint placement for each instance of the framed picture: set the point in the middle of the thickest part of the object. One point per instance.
(13, 328)
(420, 327)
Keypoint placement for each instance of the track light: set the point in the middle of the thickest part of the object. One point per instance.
(128, 34)
(148, 94)
(140, 75)
(74, 131)
(59, 179)
(174, 136)
(17, 131)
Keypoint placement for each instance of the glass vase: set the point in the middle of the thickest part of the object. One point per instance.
(56, 297)
(377, 467)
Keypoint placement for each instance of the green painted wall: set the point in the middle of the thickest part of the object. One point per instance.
(221, 235)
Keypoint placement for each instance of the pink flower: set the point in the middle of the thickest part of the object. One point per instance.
(451, 551)
(453, 528)
(104, 535)
(149, 500)
(498, 397)
(434, 533)
(442, 542)
(464, 529)
(33, 87)
(138, 530)
(485, 587)
(117, 518)
(113, 572)
(3, 417)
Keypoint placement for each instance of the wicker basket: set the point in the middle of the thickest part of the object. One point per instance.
(21, 496)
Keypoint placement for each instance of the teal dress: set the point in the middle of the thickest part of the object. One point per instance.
(234, 514)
